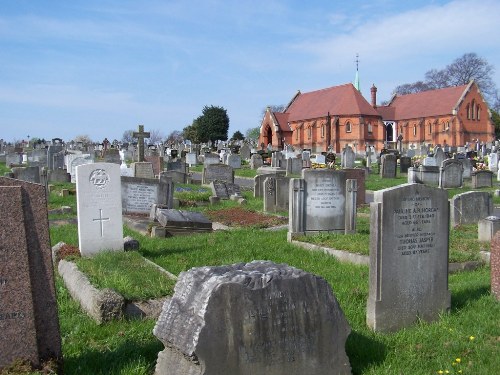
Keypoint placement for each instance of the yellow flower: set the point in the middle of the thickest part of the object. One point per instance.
(440, 372)
(471, 338)
(459, 371)
(446, 372)
(458, 360)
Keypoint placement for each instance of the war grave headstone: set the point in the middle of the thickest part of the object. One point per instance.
(451, 174)
(271, 325)
(276, 194)
(139, 194)
(219, 172)
(234, 161)
(143, 169)
(348, 157)
(470, 207)
(404, 164)
(29, 325)
(29, 174)
(409, 236)
(359, 175)
(388, 166)
(245, 152)
(495, 266)
(482, 179)
(99, 205)
(317, 202)
(140, 135)
(256, 161)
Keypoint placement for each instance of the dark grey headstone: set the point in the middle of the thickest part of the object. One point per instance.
(221, 172)
(219, 189)
(451, 174)
(388, 166)
(470, 207)
(409, 235)
(252, 319)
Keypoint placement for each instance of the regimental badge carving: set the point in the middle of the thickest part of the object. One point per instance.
(99, 178)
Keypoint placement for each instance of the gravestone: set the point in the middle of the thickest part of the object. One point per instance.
(348, 158)
(234, 161)
(219, 172)
(493, 162)
(140, 135)
(482, 179)
(29, 174)
(179, 166)
(13, 159)
(467, 167)
(245, 152)
(251, 319)
(156, 162)
(256, 161)
(276, 194)
(404, 164)
(192, 159)
(470, 207)
(176, 222)
(320, 159)
(495, 266)
(59, 175)
(143, 169)
(219, 189)
(75, 162)
(439, 156)
(429, 161)
(317, 202)
(388, 166)
(293, 166)
(210, 159)
(177, 176)
(451, 174)
(487, 227)
(359, 175)
(139, 194)
(409, 236)
(258, 181)
(29, 326)
(99, 206)
(112, 155)
(51, 151)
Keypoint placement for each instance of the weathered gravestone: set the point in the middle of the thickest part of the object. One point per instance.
(359, 175)
(293, 166)
(29, 326)
(245, 152)
(482, 179)
(29, 174)
(276, 193)
(404, 164)
(139, 194)
(219, 189)
(210, 159)
(219, 172)
(470, 207)
(347, 160)
(388, 166)
(256, 161)
(493, 162)
(178, 222)
(439, 155)
(495, 266)
(258, 182)
(143, 169)
(451, 174)
(156, 162)
(234, 161)
(75, 162)
(317, 203)
(99, 204)
(487, 227)
(251, 319)
(409, 235)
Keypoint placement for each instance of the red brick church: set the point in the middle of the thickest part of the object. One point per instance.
(339, 116)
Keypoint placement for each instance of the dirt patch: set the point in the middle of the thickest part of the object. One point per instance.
(240, 217)
(68, 251)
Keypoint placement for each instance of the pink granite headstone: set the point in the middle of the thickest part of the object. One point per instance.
(29, 325)
(495, 266)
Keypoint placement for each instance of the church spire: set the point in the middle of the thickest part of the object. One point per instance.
(356, 79)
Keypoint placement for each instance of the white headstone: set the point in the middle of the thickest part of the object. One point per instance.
(99, 205)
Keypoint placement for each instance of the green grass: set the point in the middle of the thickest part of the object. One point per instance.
(4, 169)
(127, 273)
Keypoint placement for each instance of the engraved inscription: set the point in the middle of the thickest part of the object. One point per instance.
(99, 178)
(3, 281)
(325, 195)
(414, 221)
(140, 197)
(12, 315)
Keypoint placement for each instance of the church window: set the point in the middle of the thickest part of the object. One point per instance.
(370, 130)
(468, 112)
(323, 131)
(309, 132)
(473, 108)
(430, 128)
(447, 125)
(348, 127)
(414, 130)
(478, 113)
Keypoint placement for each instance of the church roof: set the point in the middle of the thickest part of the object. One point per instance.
(282, 120)
(337, 100)
(423, 104)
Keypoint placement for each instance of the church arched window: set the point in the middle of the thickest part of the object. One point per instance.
(473, 109)
(430, 128)
(414, 130)
(478, 114)
(468, 111)
(348, 127)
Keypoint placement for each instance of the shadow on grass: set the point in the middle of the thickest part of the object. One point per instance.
(127, 358)
(460, 298)
(363, 351)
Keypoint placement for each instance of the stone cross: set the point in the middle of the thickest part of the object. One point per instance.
(140, 135)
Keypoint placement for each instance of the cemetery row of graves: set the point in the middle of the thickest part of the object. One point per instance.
(289, 271)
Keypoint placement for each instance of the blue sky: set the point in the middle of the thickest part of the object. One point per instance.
(99, 68)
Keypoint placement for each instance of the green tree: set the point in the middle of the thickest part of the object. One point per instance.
(238, 136)
(253, 133)
(213, 124)
(191, 132)
(495, 118)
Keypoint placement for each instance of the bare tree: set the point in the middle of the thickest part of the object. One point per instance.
(155, 136)
(84, 139)
(174, 137)
(127, 136)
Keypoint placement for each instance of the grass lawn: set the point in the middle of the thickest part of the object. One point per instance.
(465, 340)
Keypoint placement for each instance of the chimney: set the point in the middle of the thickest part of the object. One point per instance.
(374, 96)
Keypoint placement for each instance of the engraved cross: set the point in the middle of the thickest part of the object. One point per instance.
(101, 220)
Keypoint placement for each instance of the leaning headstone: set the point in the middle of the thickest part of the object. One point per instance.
(470, 207)
(495, 266)
(388, 166)
(451, 174)
(99, 205)
(276, 320)
(409, 236)
(28, 306)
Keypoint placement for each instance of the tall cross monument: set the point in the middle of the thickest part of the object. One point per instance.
(140, 135)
